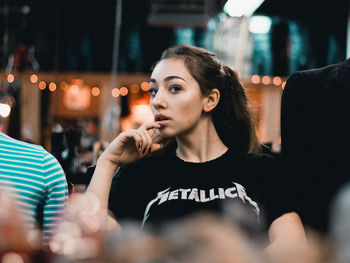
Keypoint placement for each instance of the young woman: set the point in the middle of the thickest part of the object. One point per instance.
(206, 155)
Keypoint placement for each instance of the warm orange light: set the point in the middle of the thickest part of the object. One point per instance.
(52, 86)
(145, 86)
(33, 78)
(10, 78)
(134, 88)
(78, 82)
(74, 89)
(95, 91)
(63, 85)
(42, 85)
(277, 81)
(115, 92)
(283, 84)
(266, 80)
(255, 79)
(123, 91)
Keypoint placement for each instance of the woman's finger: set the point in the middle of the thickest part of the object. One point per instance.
(149, 141)
(131, 134)
(149, 126)
(156, 137)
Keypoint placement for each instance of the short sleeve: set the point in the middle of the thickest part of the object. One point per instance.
(275, 192)
(56, 194)
(125, 199)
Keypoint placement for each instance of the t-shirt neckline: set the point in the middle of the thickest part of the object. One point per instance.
(206, 163)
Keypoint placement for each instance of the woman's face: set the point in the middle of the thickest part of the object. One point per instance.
(176, 99)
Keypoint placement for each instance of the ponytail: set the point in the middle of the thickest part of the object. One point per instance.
(233, 118)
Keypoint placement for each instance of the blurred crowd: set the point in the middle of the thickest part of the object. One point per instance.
(84, 235)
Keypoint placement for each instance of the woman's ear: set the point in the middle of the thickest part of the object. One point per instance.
(211, 100)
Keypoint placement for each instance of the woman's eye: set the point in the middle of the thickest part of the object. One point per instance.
(175, 89)
(153, 91)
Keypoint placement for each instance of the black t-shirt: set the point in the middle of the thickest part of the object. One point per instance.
(162, 188)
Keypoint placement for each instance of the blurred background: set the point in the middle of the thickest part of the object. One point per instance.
(73, 74)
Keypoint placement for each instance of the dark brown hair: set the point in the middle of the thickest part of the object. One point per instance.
(232, 117)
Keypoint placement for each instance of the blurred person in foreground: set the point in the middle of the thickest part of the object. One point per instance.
(315, 139)
(340, 224)
(198, 154)
(37, 181)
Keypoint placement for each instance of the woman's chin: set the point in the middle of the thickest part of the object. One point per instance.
(166, 133)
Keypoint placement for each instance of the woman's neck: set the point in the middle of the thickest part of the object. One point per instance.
(200, 145)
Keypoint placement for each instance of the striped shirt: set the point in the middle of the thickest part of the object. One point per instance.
(36, 178)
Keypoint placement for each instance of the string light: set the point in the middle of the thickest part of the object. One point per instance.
(95, 91)
(145, 86)
(266, 80)
(34, 78)
(123, 91)
(52, 86)
(283, 84)
(134, 88)
(115, 92)
(42, 85)
(255, 79)
(277, 81)
(63, 85)
(10, 78)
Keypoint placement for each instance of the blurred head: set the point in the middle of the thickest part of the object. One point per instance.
(193, 82)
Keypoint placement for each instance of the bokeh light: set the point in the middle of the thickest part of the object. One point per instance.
(10, 78)
(123, 91)
(42, 85)
(115, 92)
(277, 81)
(52, 86)
(134, 88)
(63, 85)
(145, 86)
(283, 84)
(5, 110)
(74, 89)
(266, 80)
(95, 91)
(33, 78)
(255, 79)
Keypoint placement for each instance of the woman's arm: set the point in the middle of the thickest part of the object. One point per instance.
(287, 237)
(101, 181)
(128, 147)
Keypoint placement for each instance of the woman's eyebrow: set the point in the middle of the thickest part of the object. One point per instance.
(167, 79)
(173, 77)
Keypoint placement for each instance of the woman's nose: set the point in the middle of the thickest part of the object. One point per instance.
(159, 100)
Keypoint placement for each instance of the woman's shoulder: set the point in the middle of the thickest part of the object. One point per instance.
(262, 163)
(261, 157)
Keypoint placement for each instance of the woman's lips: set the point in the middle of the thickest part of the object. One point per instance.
(161, 119)
(163, 122)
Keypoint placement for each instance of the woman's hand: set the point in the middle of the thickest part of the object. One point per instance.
(132, 145)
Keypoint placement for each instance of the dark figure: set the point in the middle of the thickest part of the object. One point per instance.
(315, 133)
